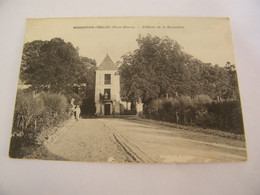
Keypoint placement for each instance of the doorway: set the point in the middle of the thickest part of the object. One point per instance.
(107, 109)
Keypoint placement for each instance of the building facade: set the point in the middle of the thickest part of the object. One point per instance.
(107, 88)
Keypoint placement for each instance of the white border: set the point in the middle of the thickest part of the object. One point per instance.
(50, 177)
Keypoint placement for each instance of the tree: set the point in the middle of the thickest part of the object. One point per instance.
(88, 103)
(51, 65)
(154, 70)
(233, 91)
(88, 74)
(159, 68)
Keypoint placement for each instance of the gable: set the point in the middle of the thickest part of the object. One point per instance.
(107, 64)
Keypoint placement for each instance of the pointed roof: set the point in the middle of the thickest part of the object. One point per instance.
(107, 64)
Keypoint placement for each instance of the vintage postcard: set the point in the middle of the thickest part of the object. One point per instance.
(128, 90)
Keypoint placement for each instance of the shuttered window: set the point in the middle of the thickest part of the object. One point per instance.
(107, 79)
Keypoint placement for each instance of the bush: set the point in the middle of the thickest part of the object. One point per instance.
(185, 101)
(202, 99)
(34, 113)
(88, 107)
(168, 111)
(27, 110)
(55, 103)
(228, 116)
(129, 112)
(77, 98)
(200, 111)
(56, 109)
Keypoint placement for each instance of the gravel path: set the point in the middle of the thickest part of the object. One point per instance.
(88, 140)
(120, 140)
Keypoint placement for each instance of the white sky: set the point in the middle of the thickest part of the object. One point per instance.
(208, 39)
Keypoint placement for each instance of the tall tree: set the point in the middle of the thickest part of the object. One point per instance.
(154, 70)
(51, 65)
(160, 68)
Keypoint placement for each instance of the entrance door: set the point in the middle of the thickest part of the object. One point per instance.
(107, 109)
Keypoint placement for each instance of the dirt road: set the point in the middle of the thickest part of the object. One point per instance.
(120, 140)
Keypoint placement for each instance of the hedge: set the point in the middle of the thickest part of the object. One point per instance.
(199, 111)
(34, 113)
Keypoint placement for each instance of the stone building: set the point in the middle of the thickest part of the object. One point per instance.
(107, 88)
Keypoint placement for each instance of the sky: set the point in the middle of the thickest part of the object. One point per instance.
(208, 39)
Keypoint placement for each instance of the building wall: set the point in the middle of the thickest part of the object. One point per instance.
(114, 90)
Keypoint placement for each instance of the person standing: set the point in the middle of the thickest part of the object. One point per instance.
(77, 112)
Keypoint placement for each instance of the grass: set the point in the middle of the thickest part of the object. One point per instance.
(189, 128)
(41, 153)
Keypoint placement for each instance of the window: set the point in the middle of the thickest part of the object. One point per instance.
(107, 94)
(107, 79)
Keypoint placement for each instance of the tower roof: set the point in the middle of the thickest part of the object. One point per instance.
(107, 64)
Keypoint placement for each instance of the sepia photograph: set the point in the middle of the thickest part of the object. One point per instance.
(128, 90)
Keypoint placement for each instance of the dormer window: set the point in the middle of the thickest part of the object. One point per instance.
(107, 79)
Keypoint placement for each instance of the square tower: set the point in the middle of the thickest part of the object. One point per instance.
(107, 88)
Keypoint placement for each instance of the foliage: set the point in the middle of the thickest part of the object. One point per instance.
(159, 68)
(129, 112)
(54, 103)
(176, 87)
(88, 107)
(202, 100)
(54, 66)
(228, 116)
(33, 114)
(150, 71)
(198, 111)
(27, 109)
(88, 74)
